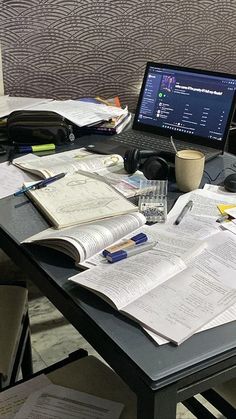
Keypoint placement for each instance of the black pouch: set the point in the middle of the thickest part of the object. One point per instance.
(38, 127)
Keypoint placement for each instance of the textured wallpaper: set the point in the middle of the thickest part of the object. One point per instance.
(66, 49)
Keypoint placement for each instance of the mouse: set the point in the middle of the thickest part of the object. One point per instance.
(230, 183)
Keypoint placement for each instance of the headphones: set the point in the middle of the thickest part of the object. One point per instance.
(153, 166)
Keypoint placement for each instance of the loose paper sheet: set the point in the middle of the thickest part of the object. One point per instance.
(12, 399)
(64, 403)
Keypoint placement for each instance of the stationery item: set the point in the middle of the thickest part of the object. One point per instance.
(184, 211)
(114, 126)
(63, 402)
(68, 161)
(153, 200)
(110, 168)
(40, 184)
(123, 254)
(133, 241)
(189, 167)
(35, 148)
(81, 242)
(222, 218)
(81, 113)
(79, 198)
(12, 179)
(172, 297)
(9, 104)
(172, 100)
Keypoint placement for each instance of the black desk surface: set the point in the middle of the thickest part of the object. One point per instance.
(120, 341)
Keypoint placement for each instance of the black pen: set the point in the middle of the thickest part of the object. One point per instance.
(185, 209)
(40, 184)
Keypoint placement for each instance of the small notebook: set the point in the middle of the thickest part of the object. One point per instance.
(77, 199)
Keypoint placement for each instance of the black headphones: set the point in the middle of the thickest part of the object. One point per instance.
(153, 166)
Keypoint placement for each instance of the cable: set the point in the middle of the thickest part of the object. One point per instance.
(213, 180)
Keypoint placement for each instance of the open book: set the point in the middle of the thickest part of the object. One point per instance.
(82, 242)
(77, 199)
(172, 297)
(109, 167)
(67, 161)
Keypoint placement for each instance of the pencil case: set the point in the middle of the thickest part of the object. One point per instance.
(39, 127)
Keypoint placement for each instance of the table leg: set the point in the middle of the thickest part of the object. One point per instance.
(159, 404)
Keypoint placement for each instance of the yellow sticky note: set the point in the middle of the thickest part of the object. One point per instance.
(223, 207)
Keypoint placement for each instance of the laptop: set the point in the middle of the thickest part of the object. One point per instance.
(194, 107)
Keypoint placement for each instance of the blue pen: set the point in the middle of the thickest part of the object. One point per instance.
(40, 184)
(123, 254)
(133, 241)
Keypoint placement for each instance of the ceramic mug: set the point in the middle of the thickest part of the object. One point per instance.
(189, 167)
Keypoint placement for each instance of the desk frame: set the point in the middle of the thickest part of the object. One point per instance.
(160, 376)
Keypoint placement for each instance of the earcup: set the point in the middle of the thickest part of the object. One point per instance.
(134, 157)
(131, 160)
(155, 168)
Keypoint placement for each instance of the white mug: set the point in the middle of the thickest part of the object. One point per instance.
(189, 167)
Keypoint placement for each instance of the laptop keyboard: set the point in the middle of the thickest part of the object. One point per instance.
(147, 142)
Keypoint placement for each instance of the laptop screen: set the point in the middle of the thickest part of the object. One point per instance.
(189, 104)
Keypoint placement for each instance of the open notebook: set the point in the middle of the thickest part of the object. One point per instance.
(78, 199)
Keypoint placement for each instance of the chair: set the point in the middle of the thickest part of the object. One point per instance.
(15, 343)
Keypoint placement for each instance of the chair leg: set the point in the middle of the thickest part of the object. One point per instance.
(23, 357)
(27, 361)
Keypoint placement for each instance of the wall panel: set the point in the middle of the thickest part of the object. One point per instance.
(66, 49)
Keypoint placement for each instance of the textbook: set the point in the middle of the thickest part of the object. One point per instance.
(77, 199)
(109, 167)
(114, 126)
(172, 296)
(68, 162)
(83, 241)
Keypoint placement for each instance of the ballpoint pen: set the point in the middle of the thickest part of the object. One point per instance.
(184, 211)
(40, 184)
(132, 242)
(222, 218)
(123, 254)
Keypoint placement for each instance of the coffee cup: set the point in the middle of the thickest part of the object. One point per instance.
(189, 167)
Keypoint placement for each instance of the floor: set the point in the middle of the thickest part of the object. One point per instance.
(53, 338)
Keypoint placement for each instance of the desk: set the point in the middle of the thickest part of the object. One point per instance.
(160, 376)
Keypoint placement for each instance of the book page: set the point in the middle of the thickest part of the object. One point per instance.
(81, 113)
(197, 295)
(78, 199)
(169, 241)
(227, 316)
(61, 402)
(81, 242)
(12, 179)
(12, 399)
(204, 204)
(67, 162)
(125, 281)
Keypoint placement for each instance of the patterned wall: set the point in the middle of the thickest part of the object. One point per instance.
(66, 48)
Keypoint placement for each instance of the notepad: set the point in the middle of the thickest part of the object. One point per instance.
(77, 199)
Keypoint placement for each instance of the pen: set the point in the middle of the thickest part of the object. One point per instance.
(185, 209)
(123, 254)
(35, 148)
(222, 218)
(133, 241)
(40, 184)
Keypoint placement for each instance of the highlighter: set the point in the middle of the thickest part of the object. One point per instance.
(35, 148)
(133, 241)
